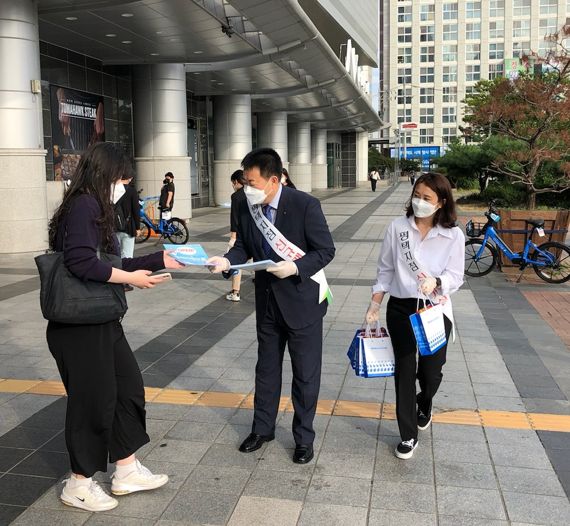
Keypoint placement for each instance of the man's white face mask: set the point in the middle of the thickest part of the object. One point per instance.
(117, 191)
(255, 196)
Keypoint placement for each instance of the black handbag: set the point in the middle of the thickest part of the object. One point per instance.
(64, 298)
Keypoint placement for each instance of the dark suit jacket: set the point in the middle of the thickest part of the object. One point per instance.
(301, 220)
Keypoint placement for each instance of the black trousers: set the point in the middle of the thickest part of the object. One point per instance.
(427, 369)
(305, 348)
(105, 417)
(373, 184)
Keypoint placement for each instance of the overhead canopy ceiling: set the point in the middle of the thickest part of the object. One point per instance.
(269, 48)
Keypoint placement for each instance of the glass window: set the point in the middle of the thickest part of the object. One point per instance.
(449, 134)
(473, 9)
(448, 114)
(497, 8)
(427, 33)
(548, 7)
(497, 29)
(426, 75)
(449, 74)
(404, 13)
(404, 55)
(404, 34)
(496, 70)
(473, 31)
(426, 115)
(450, 53)
(450, 11)
(496, 50)
(404, 99)
(521, 7)
(427, 54)
(405, 75)
(450, 94)
(473, 52)
(548, 26)
(404, 116)
(472, 72)
(521, 48)
(426, 95)
(426, 136)
(427, 12)
(450, 32)
(521, 28)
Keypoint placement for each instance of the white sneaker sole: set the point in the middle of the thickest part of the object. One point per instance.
(406, 456)
(76, 503)
(426, 426)
(125, 489)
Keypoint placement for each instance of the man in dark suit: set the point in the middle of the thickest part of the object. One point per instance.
(288, 311)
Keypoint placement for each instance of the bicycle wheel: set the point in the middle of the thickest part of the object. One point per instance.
(556, 256)
(477, 267)
(144, 234)
(177, 231)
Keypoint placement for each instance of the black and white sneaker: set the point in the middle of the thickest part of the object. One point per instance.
(424, 421)
(405, 449)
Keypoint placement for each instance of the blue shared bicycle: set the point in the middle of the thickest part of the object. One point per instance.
(550, 261)
(173, 229)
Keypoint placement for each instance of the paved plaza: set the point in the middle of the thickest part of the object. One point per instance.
(498, 452)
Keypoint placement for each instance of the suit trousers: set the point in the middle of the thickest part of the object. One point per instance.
(427, 369)
(305, 348)
(105, 417)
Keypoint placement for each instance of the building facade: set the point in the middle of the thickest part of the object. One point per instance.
(187, 86)
(433, 52)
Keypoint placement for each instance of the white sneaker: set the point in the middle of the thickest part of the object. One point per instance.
(141, 479)
(406, 449)
(90, 498)
(233, 296)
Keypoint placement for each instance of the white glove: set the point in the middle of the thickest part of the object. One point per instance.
(284, 269)
(428, 285)
(373, 313)
(218, 264)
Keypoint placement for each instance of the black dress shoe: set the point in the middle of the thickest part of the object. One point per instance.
(303, 454)
(253, 442)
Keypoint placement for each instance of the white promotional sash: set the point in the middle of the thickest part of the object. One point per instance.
(285, 249)
(414, 267)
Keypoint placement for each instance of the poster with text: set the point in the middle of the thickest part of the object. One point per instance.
(77, 121)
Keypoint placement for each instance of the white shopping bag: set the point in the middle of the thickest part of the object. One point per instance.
(378, 356)
(429, 329)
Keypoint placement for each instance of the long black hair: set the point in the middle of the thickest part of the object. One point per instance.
(446, 216)
(101, 166)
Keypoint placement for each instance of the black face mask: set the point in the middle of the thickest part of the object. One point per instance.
(166, 181)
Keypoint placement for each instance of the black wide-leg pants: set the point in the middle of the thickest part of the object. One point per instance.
(105, 417)
(427, 369)
(305, 348)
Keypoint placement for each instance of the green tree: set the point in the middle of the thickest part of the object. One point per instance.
(408, 166)
(379, 161)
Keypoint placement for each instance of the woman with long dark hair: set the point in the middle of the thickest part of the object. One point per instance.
(422, 255)
(105, 418)
(286, 179)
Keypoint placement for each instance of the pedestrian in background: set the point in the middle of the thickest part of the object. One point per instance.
(374, 178)
(166, 201)
(238, 197)
(286, 179)
(427, 235)
(105, 419)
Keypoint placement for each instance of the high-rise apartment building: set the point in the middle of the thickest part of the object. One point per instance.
(433, 52)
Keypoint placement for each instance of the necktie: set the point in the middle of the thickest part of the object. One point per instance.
(267, 213)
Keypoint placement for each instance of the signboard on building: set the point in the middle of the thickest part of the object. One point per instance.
(77, 121)
(425, 153)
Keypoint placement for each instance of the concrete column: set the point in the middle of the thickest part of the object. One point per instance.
(319, 158)
(300, 155)
(232, 141)
(161, 130)
(361, 157)
(23, 221)
(272, 133)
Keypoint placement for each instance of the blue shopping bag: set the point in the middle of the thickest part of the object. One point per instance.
(429, 329)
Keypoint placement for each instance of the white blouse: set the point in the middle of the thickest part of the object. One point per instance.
(441, 254)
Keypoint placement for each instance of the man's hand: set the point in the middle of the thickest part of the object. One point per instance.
(428, 285)
(218, 264)
(373, 313)
(284, 269)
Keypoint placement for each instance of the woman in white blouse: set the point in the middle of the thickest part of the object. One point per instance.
(422, 254)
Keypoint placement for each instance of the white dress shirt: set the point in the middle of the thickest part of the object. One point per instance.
(440, 254)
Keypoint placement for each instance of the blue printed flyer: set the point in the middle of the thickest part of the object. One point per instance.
(192, 254)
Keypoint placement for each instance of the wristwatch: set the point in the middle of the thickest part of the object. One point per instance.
(438, 283)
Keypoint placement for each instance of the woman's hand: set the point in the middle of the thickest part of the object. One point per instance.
(142, 279)
(373, 313)
(428, 285)
(170, 262)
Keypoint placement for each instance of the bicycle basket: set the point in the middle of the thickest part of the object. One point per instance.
(473, 229)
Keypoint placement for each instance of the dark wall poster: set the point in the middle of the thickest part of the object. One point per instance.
(77, 121)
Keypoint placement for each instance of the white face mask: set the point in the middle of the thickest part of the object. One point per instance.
(423, 208)
(117, 191)
(255, 196)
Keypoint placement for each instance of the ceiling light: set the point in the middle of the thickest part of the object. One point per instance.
(110, 35)
(198, 52)
(127, 15)
(159, 32)
(155, 54)
(71, 18)
(127, 42)
(213, 80)
(220, 83)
